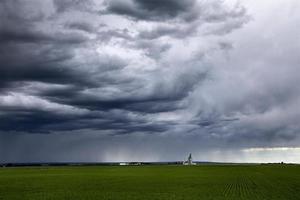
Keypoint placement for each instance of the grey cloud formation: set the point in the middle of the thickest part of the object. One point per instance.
(206, 73)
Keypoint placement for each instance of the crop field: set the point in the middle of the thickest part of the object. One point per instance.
(152, 182)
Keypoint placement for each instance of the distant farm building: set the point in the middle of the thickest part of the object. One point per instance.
(123, 163)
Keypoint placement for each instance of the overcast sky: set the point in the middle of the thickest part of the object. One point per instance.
(149, 80)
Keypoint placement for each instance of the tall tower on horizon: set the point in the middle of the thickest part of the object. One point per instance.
(190, 159)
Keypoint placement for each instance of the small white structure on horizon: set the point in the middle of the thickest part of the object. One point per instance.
(189, 161)
(123, 163)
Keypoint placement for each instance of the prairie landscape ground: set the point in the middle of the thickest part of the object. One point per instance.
(152, 182)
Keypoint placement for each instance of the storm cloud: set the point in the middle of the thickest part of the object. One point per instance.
(197, 75)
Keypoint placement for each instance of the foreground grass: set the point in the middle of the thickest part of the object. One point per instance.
(152, 182)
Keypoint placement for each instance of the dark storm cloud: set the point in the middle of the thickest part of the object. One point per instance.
(81, 26)
(165, 69)
(42, 63)
(151, 9)
(8, 35)
(211, 19)
(65, 5)
(47, 122)
(29, 52)
(50, 81)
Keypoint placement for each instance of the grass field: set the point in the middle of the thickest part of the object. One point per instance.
(152, 182)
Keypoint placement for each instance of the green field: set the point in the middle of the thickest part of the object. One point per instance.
(152, 182)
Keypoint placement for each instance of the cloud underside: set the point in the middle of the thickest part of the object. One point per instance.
(145, 66)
